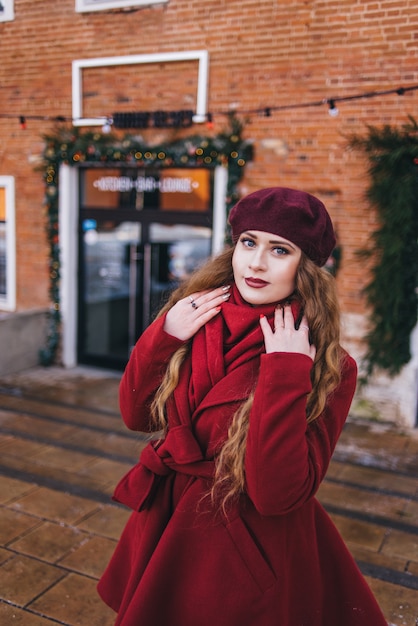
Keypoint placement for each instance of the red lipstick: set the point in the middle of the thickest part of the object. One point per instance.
(256, 283)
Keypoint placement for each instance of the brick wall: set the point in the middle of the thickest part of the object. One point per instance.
(262, 54)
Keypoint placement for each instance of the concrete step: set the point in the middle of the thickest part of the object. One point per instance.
(63, 448)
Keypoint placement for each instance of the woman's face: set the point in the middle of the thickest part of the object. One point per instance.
(265, 267)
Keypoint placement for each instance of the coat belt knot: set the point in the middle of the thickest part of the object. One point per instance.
(177, 452)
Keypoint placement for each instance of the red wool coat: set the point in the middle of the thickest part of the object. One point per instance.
(276, 559)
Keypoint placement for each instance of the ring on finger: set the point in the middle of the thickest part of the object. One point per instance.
(192, 302)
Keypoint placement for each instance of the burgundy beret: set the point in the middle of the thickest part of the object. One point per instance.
(294, 215)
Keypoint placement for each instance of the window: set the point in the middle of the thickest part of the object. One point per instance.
(102, 5)
(7, 244)
(199, 56)
(7, 13)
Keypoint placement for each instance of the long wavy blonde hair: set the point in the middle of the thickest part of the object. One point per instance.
(315, 290)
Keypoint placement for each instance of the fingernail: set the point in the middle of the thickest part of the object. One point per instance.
(226, 287)
(226, 296)
(261, 316)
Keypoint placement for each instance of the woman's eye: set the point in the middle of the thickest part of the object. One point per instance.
(279, 250)
(249, 243)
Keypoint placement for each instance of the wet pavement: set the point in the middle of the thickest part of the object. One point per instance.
(63, 447)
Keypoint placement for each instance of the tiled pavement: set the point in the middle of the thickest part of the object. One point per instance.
(63, 447)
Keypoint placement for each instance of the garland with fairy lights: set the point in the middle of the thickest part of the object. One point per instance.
(72, 147)
(392, 291)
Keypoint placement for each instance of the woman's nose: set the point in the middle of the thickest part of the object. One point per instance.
(257, 260)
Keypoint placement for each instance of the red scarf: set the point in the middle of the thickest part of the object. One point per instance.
(223, 365)
(230, 340)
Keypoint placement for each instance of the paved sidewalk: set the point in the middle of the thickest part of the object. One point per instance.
(63, 447)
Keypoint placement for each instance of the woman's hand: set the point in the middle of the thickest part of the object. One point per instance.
(189, 314)
(285, 337)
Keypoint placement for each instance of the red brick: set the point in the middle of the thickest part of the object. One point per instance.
(261, 55)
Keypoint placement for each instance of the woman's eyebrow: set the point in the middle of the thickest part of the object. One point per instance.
(280, 242)
(271, 241)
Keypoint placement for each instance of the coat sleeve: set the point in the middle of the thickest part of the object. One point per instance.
(143, 374)
(286, 458)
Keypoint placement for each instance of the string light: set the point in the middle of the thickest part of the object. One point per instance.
(266, 111)
(331, 102)
(107, 126)
(333, 110)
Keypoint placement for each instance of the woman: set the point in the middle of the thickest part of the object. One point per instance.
(243, 376)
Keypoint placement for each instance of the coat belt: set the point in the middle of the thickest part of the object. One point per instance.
(178, 452)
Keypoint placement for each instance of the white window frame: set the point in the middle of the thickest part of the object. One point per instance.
(8, 13)
(82, 6)
(8, 302)
(201, 56)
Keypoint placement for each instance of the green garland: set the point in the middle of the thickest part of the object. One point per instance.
(392, 291)
(73, 146)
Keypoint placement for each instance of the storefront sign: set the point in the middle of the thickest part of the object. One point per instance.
(179, 189)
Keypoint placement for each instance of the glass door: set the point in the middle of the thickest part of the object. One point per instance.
(141, 232)
(171, 254)
(129, 270)
(111, 258)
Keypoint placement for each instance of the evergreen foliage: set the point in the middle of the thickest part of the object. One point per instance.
(392, 291)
